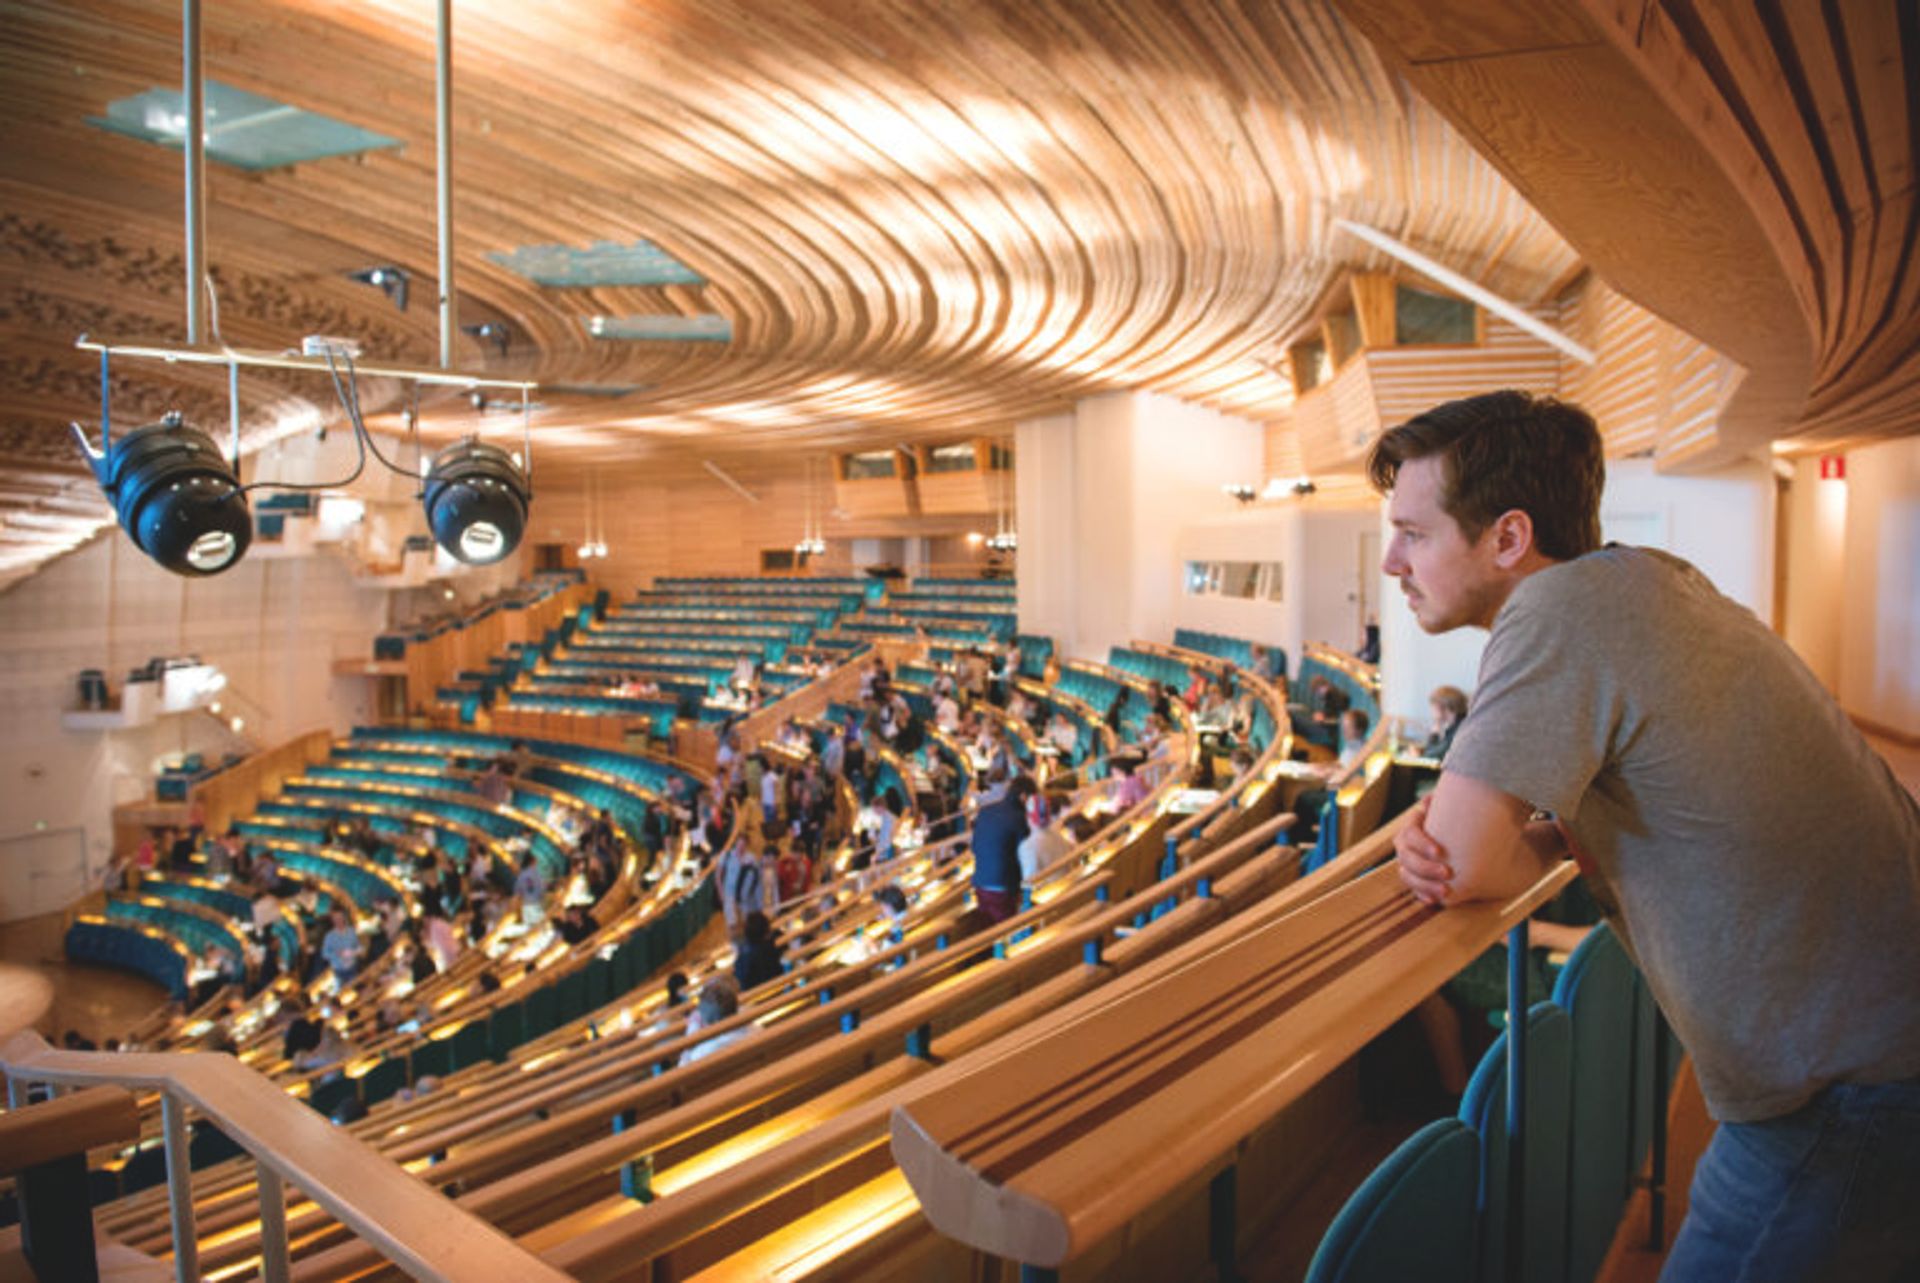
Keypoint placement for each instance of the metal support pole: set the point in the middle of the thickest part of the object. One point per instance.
(1516, 1099)
(443, 175)
(186, 1246)
(193, 75)
(273, 1224)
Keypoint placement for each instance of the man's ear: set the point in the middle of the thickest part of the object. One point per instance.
(1512, 539)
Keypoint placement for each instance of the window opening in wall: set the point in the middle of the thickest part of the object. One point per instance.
(870, 465)
(1000, 458)
(1246, 580)
(951, 458)
(1239, 578)
(1310, 365)
(1423, 317)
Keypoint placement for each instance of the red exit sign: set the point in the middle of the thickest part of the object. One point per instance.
(1833, 467)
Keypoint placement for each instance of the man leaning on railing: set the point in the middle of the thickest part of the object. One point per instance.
(1761, 860)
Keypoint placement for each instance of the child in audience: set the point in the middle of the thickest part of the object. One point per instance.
(719, 999)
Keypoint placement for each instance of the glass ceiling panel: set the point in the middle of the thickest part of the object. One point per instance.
(243, 130)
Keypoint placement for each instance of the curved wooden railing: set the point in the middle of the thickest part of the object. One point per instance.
(1041, 1150)
(405, 1220)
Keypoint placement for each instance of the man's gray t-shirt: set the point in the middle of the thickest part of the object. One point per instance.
(1759, 858)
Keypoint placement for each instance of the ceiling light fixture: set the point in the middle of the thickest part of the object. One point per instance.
(1242, 492)
(393, 281)
(182, 501)
(498, 333)
(175, 494)
(476, 500)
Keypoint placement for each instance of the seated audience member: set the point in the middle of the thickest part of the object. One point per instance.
(758, 958)
(1369, 652)
(265, 911)
(1309, 803)
(1128, 785)
(1045, 843)
(341, 947)
(302, 1031)
(719, 999)
(677, 989)
(793, 871)
(575, 925)
(1449, 707)
(442, 941)
(530, 886)
(329, 1048)
(1327, 701)
(893, 903)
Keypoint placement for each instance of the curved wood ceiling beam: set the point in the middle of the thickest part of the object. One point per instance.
(1742, 170)
(919, 220)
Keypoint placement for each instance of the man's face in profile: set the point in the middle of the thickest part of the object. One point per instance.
(1449, 581)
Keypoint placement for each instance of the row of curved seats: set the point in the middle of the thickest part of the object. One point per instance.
(1438, 1207)
(905, 869)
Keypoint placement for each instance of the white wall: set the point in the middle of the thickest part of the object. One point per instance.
(1721, 521)
(1254, 534)
(1183, 457)
(1880, 611)
(1816, 544)
(1328, 579)
(273, 626)
(1105, 525)
(1103, 495)
(1047, 518)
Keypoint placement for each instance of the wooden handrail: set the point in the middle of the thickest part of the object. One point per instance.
(72, 1124)
(407, 1221)
(1038, 1155)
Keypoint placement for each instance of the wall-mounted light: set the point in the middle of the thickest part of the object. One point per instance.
(1005, 541)
(393, 281)
(1241, 492)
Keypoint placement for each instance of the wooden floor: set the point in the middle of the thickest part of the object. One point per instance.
(99, 1002)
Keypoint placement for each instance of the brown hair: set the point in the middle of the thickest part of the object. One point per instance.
(1450, 699)
(1505, 451)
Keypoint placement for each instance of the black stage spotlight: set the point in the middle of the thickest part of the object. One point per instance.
(176, 495)
(476, 498)
(394, 280)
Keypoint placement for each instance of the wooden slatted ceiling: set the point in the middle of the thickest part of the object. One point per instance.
(921, 222)
(1653, 385)
(1743, 170)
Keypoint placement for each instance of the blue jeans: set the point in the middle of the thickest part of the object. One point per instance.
(1828, 1192)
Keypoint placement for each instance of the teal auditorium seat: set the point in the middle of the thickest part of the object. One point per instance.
(1233, 649)
(1484, 1108)
(1598, 990)
(1413, 1218)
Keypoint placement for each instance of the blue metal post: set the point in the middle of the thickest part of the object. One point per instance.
(1657, 1175)
(1516, 1099)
